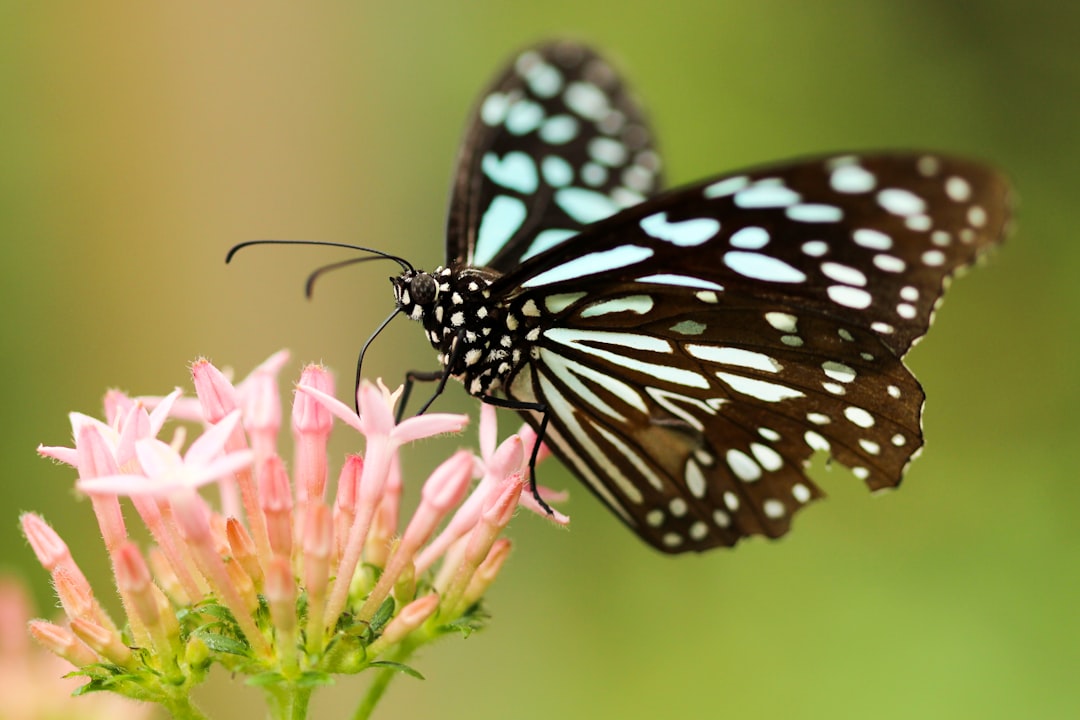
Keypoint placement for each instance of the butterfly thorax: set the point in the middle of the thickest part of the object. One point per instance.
(481, 340)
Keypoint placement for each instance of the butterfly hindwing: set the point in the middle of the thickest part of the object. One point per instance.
(555, 144)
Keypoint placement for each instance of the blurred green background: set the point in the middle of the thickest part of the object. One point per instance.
(140, 140)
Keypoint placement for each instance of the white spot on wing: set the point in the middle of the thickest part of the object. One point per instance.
(872, 239)
(523, 117)
(859, 416)
(784, 322)
(852, 179)
(576, 339)
(749, 238)
(683, 233)
(814, 213)
(500, 221)
(585, 206)
(767, 457)
(958, 189)
(843, 273)
(591, 264)
(556, 171)
(762, 267)
(586, 100)
(727, 186)
(680, 281)
(901, 202)
(734, 356)
(742, 465)
(546, 240)
(639, 304)
(515, 170)
(765, 194)
(851, 297)
(559, 130)
(760, 389)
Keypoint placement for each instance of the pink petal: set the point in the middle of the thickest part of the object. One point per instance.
(157, 459)
(224, 466)
(161, 411)
(212, 442)
(63, 454)
(424, 426)
(134, 426)
(130, 485)
(529, 503)
(375, 410)
(79, 421)
(117, 405)
(489, 431)
(95, 454)
(340, 410)
(270, 366)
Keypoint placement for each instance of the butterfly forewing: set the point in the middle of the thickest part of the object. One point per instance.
(695, 350)
(555, 144)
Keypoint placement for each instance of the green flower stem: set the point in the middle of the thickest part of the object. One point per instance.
(382, 682)
(288, 702)
(180, 707)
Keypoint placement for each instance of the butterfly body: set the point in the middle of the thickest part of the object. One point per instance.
(482, 339)
(686, 352)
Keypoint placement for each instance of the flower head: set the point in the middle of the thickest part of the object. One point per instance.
(274, 580)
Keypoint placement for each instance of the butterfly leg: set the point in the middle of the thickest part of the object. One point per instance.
(415, 376)
(541, 428)
(440, 376)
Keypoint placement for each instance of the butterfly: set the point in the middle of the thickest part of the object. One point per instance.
(685, 352)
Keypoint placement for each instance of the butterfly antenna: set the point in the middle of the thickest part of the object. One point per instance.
(360, 358)
(309, 285)
(405, 265)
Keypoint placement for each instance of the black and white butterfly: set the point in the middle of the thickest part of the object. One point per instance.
(685, 352)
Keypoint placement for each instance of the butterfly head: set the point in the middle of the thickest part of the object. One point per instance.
(415, 292)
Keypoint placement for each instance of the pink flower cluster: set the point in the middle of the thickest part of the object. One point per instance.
(276, 539)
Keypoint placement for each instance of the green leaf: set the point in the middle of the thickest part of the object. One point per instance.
(472, 620)
(383, 614)
(400, 667)
(222, 643)
(312, 678)
(219, 611)
(266, 679)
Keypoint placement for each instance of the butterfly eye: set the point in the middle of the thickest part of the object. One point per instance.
(423, 289)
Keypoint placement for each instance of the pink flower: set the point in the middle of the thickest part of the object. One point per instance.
(241, 585)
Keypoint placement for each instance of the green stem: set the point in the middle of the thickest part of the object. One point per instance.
(300, 703)
(181, 708)
(288, 702)
(378, 687)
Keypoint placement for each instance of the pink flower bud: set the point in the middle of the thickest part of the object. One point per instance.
(103, 641)
(276, 500)
(409, 618)
(216, 394)
(62, 642)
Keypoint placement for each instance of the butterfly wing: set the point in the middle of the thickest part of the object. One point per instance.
(695, 350)
(558, 126)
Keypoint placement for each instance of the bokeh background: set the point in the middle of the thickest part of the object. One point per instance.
(138, 141)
